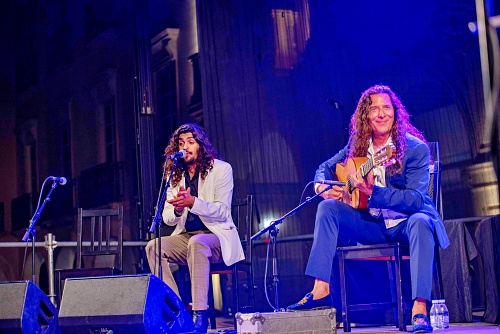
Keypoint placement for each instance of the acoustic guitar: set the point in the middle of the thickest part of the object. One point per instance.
(351, 195)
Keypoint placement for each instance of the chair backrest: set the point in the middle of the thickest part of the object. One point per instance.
(436, 196)
(242, 213)
(96, 231)
(435, 177)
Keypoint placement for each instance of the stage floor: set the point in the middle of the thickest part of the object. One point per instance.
(226, 325)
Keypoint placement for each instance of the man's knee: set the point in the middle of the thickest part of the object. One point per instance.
(150, 246)
(202, 243)
(195, 242)
(329, 210)
(420, 223)
(330, 206)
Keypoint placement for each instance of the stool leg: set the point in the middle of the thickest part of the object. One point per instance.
(211, 304)
(343, 293)
(236, 301)
(392, 285)
(58, 288)
(399, 290)
(251, 288)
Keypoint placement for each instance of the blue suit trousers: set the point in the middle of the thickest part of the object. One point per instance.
(337, 222)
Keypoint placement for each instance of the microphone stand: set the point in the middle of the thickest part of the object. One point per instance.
(273, 233)
(30, 231)
(157, 219)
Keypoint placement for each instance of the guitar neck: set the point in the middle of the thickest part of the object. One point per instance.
(365, 169)
(383, 157)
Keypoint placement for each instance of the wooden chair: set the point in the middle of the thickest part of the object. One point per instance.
(97, 232)
(242, 213)
(394, 254)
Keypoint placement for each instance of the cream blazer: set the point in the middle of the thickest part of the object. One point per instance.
(213, 206)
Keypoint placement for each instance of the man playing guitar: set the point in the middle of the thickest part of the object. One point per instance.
(398, 208)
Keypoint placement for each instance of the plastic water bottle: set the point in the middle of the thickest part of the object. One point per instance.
(440, 315)
(433, 314)
(446, 314)
(436, 315)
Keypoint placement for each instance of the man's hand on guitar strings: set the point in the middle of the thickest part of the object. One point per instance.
(363, 184)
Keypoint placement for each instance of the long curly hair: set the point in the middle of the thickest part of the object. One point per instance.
(206, 154)
(360, 130)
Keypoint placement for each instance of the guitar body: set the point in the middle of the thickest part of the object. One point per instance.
(351, 195)
(356, 198)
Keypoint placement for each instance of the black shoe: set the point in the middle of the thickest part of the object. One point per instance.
(200, 319)
(307, 303)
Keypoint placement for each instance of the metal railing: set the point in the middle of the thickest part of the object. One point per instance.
(50, 244)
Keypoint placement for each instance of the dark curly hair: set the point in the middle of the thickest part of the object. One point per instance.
(360, 130)
(206, 155)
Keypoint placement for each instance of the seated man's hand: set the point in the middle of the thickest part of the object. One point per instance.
(334, 193)
(182, 200)
(363, 184)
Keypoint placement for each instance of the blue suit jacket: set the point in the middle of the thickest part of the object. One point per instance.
(406, 192)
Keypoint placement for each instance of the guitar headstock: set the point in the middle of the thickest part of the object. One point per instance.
(386, 156)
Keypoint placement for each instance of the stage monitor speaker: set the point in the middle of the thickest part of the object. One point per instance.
(24, 308)
(121, 304)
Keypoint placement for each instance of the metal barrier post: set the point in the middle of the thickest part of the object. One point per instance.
(50, 244)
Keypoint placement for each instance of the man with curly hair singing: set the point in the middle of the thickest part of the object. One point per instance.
(198, 204)
(399, 207)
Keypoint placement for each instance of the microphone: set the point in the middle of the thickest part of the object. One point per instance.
(62, 180)
(331, 182)
(180, 154)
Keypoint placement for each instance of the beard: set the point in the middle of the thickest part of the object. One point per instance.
(190, 161)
